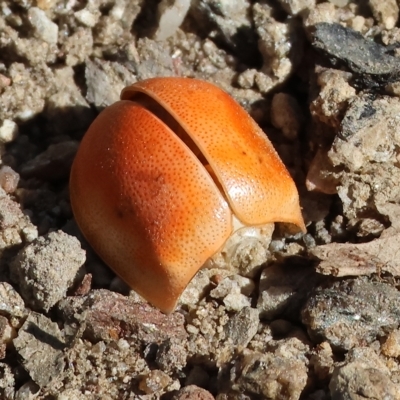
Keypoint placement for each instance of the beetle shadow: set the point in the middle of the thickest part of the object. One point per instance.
(45, 337)
(42, 155)
(42, 191)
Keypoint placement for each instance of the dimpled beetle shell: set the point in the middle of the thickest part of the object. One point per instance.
(161, 175)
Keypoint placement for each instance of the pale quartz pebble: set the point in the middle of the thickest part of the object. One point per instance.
(99, 348)
(191, 329)
(8, 131)
(154, 381)
(71, 394)
(236, 301)
(225, 287)
(334, 96)
(391, 346)
(246, 79)
(324, 12)
(123, 344)
(200, 284)
(25, 114)
(197, 287)
(118, 10)
(30, 233)
(233, 284)
(8, 179)
(358, 23)
(11, 303)
(5, 10)
(45, 29)
(46, 4)
(87, 18)
(386, 13)
(231, 292)
(171, 15)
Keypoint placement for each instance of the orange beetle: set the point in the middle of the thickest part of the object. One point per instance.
(161, 175)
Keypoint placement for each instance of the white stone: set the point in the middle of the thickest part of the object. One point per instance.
(171, 15)
(236, 301)
(87, 18)
(8, 131)
(44, 27)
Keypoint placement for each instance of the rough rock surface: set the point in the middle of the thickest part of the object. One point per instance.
(46, 268)
(127, 318)
(268, 376)
(283, 289)
(362, 56)
(361, 311)
(40, 344)
(363, 376)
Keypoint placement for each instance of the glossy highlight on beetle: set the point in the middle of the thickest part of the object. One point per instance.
(160, 176)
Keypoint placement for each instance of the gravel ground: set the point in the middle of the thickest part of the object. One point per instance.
(311, 316)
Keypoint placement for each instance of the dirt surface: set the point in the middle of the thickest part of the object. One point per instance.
(311, 316)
